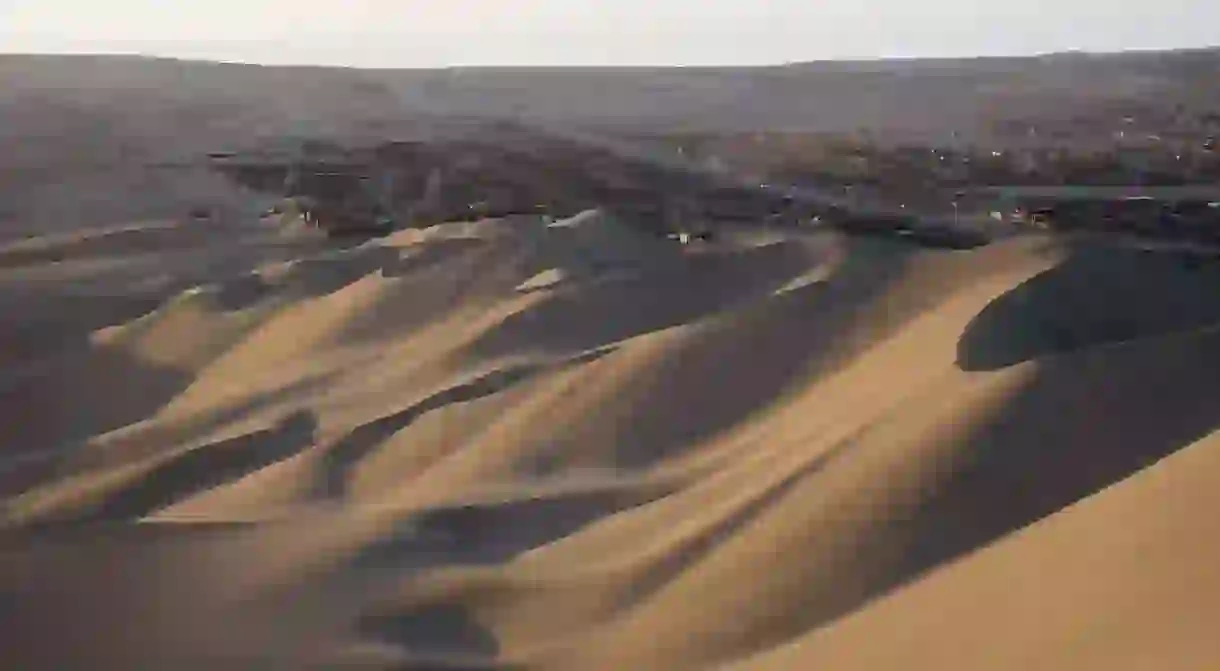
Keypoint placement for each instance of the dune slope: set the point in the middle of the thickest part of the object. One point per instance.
(507, 445)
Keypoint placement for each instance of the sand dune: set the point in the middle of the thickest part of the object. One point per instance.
(507, 445)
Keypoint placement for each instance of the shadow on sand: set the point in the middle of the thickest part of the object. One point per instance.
(432, 631)
(601, 314)
(734, 367)
(431, 254)
(493, 533)
(308, 278)
(78, 393)
(39, 323)
(1098, 295)
(349, 450)
(429, 282)
(1083, 422)
(202, 468)
(695, 394)
(444, 635)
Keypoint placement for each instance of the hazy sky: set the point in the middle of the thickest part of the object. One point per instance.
(427, 33)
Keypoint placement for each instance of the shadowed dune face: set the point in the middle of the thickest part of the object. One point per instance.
(201, 468)
(1097, 296)
(427, 282)
(76, 394)
(1038, 488)
(28, 470)
(394, 456)
(651, 299)
(61, 385)
(1077, 426)
(124, 242)
(1069, 429)
(790, 338)
(352, 448)
(1073, 429)
(491, 534)
(38, 323)
(306, 279)
(434, 630)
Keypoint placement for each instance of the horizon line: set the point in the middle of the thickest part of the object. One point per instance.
(611, 66)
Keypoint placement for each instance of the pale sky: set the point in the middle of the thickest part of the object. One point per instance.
(432, 33)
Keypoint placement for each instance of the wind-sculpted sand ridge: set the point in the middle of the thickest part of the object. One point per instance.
(507, 445)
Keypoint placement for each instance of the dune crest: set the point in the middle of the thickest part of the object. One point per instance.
(511, 445)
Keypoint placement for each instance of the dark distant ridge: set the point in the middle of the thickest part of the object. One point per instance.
(88, 128)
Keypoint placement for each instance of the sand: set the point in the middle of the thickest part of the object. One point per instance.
(507, 445)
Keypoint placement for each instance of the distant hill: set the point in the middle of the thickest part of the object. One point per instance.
(219, 101)
(102, 119)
